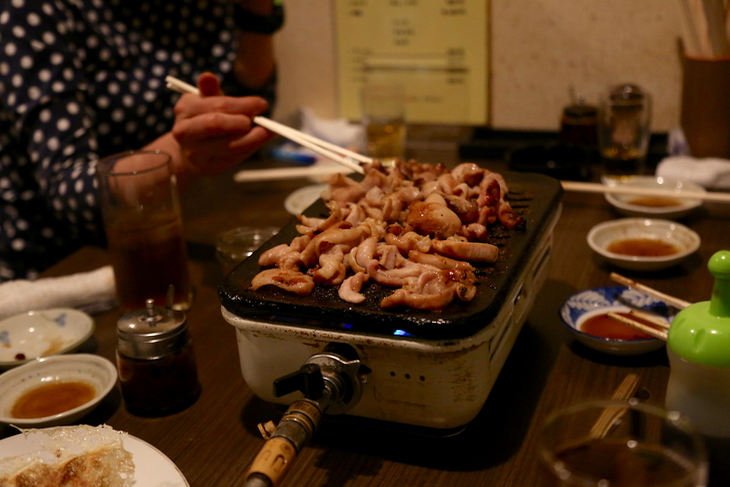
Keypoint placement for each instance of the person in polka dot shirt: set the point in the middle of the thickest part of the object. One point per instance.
(83, 79)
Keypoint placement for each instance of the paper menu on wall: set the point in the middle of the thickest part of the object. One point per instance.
(437, 49)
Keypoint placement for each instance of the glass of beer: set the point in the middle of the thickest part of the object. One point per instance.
(141, 209)
(621, 444)
(624, 123)
(384, 118)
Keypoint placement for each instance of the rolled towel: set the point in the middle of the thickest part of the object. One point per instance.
(711, 173)
(83, 290)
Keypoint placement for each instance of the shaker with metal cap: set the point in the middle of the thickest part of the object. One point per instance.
(156, 362)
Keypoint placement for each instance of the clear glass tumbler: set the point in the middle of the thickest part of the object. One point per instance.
(621, 444)
(141, 208)
(624, 129)
(384, 118)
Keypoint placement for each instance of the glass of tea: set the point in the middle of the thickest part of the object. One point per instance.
(624, 129)
(621, 444)
(383, 107)
(141, 209)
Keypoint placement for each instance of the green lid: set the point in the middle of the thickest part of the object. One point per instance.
(700, 333)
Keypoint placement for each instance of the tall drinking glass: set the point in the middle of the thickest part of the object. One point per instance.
(384, 117)
(624, 124)
(141, 209)
(621, 444)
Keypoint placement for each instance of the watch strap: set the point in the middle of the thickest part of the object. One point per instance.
(248, 21)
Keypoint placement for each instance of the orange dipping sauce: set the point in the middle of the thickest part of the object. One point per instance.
(51, 399)
(604, 327)
(642, 247)
(654, 202)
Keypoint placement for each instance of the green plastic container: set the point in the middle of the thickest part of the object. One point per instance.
(698, 346)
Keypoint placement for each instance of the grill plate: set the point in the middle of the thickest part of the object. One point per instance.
(535, 197)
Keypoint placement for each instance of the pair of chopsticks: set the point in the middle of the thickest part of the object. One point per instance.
(331, 151)
(602, 188)
(663, 325)
(625, 391)
(649, 330)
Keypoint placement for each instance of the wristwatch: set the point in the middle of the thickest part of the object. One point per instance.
(248, 21)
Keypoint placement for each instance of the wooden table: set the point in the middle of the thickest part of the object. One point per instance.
(214, 440)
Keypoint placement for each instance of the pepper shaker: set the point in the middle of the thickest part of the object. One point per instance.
(156, 361)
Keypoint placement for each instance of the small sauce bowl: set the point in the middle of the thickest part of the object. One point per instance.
(89, 375)
(585, 305)
(642, 237)
(654, 206)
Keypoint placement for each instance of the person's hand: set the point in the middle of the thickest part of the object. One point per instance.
(216, 132)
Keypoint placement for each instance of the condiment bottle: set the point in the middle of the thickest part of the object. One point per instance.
(156, 361)
(698, 346)
(579, 124)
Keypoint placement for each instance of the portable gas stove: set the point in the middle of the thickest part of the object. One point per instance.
(432, 369)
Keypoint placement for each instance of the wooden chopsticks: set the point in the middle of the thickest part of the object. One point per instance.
(671, 300)
(602, 188)
(608, 418)
(319, 146)
(650, 330)
(331, 151)
(660, 334)
(180, 86)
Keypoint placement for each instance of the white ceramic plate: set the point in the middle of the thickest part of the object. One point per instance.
(623, 203)
(151, 467)
(26, 336)
(96, 371)
(619, 299)
(686, 241)
(303, 198)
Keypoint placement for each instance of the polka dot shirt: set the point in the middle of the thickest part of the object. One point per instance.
(79, 80)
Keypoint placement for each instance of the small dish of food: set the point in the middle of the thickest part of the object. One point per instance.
(101, 455)
(643, 244)
(585, 315)
(27, 336)
(653, 206)
(55, 390)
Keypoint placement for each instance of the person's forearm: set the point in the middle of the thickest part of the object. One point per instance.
(255, 64)
(167, 143)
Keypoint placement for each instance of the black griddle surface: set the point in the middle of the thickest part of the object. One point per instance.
(533, 196)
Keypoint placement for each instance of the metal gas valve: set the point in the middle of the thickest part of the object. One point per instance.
(331, 383)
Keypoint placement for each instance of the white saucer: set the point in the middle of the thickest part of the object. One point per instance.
(151, 467)
(601, 236)
(303, 198)
(624, 203)
(27, 336)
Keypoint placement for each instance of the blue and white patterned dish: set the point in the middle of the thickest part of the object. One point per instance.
(619, 299)
(96, 371)
(34, 334)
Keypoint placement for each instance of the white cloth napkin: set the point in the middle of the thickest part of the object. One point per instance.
(712, 173)
(85, 290)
